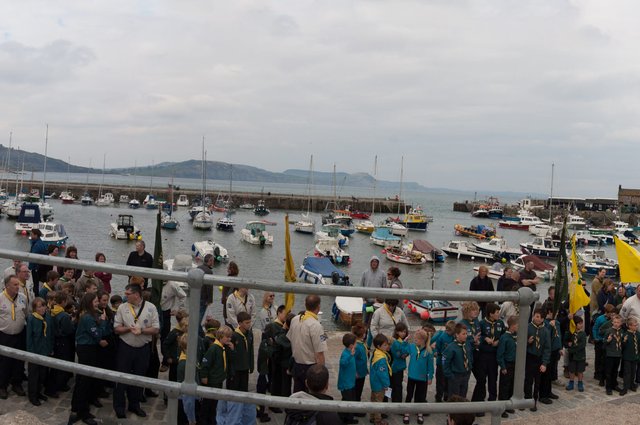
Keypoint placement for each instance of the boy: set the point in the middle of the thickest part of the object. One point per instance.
(347, 375)
(362, 358)
(506, 358)
(39, 341)
(420, 371)
(457, 361)
(598, 339)
(613, 350)
(214, 370)
(551, 374)
(211, 326)
(50, 284)
(538, 356)
(630, 355)
(380, 376)
(491, 329)
(576, 348)
(64, 342)
(241, 354)
(442, 339)
(170, 347)
(276, 372)
(115, 301)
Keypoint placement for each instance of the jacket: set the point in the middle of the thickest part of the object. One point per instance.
(242, 353)
(457, 359)
(380, 371)
(541, 344)
(214, 365)
(578, 349)
(506, 350)
(347, 371)
(399, 352)
(362, 359)
(420, 363)
(631, 346)
(489, 329)
(613, 348)
(40, 335)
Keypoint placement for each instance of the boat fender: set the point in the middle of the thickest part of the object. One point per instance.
(424, 315)
(339, 259)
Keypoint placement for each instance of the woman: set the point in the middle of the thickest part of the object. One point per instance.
(481, 282)
(105, 277)
(89, 337)
(385, 319)
(232, 270)
(393, 280)
(607, 295)
(37, 247)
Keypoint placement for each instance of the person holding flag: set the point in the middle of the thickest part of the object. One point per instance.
(578, 297)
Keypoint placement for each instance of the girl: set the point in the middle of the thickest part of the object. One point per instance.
(420, 370)
(105, 277)
(107, 353)
(399, 352)
(89, 336)
(39, 341)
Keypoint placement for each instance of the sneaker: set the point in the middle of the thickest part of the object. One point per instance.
(609, 392)
(569, 386)
(505, 415)
(406, 419)
(420, 419)
(580, 386)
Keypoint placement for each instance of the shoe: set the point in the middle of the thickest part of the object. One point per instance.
(480, 415)
(138, 411)
(3, 394)
(73, 419)
(617, 388)
(545, 400)
(601, 383)
(533, 409)
(569, 386)
(553, 396)
(35, 402)
(634, 388)
(150, 393)
(420, 420)
(609, 392)
(42, 397)
(406, 419)
(510, 411)
(121, 415)
(505, 415)
(96, 403)
(265, 418)
(275, 409)
(18, 390)
(90, 421)
(360, 415)
(164, 368)
(580, 386)
(623, 392)
(51, 394)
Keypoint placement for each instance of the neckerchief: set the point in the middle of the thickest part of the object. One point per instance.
(183, 356)
(46, 285)
(537, 336)
(269, 313)
(635, 344)
(616, 337)
(492, 329)
(420, 351)
(308, 314)
(26, 293)
(246, 343)
(242, 299)
(13, 304)
(57, 309)
(465, 359)
(366, 349)
(379, 354)
(44, 322)
(224, 353)
(386, 307)
(133, 313)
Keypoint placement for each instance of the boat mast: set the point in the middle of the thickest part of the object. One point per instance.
(68, 164)
(375, 184)
(104, 161)
(551, 195)
(401, 181)
(309, 183)
(230, 182)
(6, 169)
(46, 145)
(135, 172)
(335, 193)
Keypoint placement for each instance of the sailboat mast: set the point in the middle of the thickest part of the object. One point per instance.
(68, 165)
(335, 193)
(401, 182)
(551, 195)
(6, 169)
(309, 183)
(375, 184)
(104, 162)
(44, 175)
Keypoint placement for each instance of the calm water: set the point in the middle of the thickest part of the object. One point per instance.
(88, 229)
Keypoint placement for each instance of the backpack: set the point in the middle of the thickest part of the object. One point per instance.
(300, 417)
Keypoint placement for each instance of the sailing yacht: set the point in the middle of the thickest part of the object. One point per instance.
(202, 220)
(306, 225)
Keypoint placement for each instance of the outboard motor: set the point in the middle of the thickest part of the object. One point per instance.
(335, 278)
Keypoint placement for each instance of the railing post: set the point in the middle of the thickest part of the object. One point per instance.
(195, 279)
(527, 297)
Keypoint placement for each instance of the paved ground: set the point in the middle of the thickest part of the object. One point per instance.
(591, 406)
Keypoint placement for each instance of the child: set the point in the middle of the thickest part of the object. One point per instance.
(67, 277)
(613, 350)
(106, 353)
(347, 374)
(269, 346)
(362, 359)
(188, 401)
(457, 362)
(380, 376)
(538, 355)
(420, 371)
(442, 340)
(64, 342)
(50, 284)
(211, 326)
(39, 341)
(399, 352)
(470, 312)
(576, 349)
(630, 355)
(491, 329)
(599, 343)
(242, 354)
(506, 358)
(115, 301)
(214, 370)
(170, 348)
(551, 374)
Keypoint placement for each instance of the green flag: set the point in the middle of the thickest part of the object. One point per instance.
(157, 284)
(561, 279)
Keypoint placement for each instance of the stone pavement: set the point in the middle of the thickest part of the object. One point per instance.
(588, 405)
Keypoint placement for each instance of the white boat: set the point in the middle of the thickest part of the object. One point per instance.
(305, 225)
(29, 218)
(225, 223)
(522, 224)
(67, 197)
(124, 228)
(150, 202)
(584, 237)
(576, 222)
(382, 237)
(45, 209)
(543, 229)
(202, 248)
(396, 229)
(542, 247)
(12, 208)
(255, 233)
(183, 201)
(203, 221)
(438, 311)
(53, 234)
(332, 231)
(329, 247)
(498, 248)
(465, 250)
(495, 271)
(405, 255)
(134, 204)
(105, 200)
(628, 236)
(124, 199)
(348, 310)
(592, 260)
(247, 206)
(86, 199)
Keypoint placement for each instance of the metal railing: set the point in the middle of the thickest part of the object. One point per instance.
(196, 278)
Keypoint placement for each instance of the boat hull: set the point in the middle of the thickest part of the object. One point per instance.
(437, 311)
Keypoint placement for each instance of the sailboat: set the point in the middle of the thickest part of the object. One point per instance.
(104, 200)
(150, 201)
(306, 225)
(45, 208)
(168, 220)
(202, 220)
(397, 228)
(12, 207)
(134, 204)
(86, 198)
(66, 196)
(366, 226)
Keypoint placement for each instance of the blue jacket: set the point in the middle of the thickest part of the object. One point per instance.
(555, 335)
(420, 363)
(595, 332)
(37, 341)
(399, 352)
(493, 330)
(453, 360)
(362, 360)
(89, 330)
(380, 374)
(347, 372)
(442, 340)
(37, 247)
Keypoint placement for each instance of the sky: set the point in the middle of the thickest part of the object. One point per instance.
(475, 95)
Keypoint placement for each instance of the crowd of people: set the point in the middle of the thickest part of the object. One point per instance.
(73, 315)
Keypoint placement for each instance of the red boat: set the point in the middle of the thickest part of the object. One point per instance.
(359, 215)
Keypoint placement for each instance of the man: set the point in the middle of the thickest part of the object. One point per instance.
(317, 381)
(26, 285)
(11, 270)
(37, 247)
(372, 278)
(482, 282)
(13, 313)
(528, 276)
(308, 341)
(631, 307)
(136, 323)
(140, 258)
(506, 281)
(596, 286)
(240, 300)
(206, 294)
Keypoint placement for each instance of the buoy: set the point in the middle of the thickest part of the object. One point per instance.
(424, 315)
(504, 260)
(457, 281)
(406, 301)
(23, 233)
(220, 288)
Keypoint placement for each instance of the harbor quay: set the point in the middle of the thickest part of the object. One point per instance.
(592, 406)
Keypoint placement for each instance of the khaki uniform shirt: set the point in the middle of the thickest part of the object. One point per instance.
(13, 325)
(307, 338)
(147, 319)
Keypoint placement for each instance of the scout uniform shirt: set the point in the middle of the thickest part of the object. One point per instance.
(489, 329)
(506, 349)
(541, 344)
(613, 348)
(631, 346)
(577, 350)
(142, 316)
(13, 313)
(307, 338)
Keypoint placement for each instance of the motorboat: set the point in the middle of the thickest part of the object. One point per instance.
(348, 310)
(382, 237)
(592, 260)
(181, 263)
(523, 224)
(542, 247)
(478, 232)
(576, 222)
(225, 224)
(12, 208)
(396, 229)
(202, 248)
(584, 237)
(255, 233)
(464, 250)
(195, 210)
(332, 230)
(123, 199)
(29, 218)
(124, 228)
(480, 213)
(261, 209)
(320, 270)
(498, 248)
(628, 236)
(67, 197)
(202, 221)
(183, 201)
(246, 206)
(105, 200)
(430, 252)
(330, 248)
(438, 311)
(543, 229)
(405, 255)
(617, 226)
(53, 234)
(134, 204)
(415, 219)
(305, 225)
(543, 270)
(367, 227)
(86, 199)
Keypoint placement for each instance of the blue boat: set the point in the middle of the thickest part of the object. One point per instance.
(29, 218)
(382, 236)
(321, 270)
(53, 234)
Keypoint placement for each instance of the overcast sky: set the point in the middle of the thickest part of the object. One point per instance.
(477, 95)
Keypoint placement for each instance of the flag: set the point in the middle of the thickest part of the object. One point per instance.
(289, 267)
(628, 261)
(578, 298)
(561, 278)
(157, 284)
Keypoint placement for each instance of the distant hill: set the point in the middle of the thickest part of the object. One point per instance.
(215, 170)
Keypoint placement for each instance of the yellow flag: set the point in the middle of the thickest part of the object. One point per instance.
(578, 298)
(628, 261)
(289, 267)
